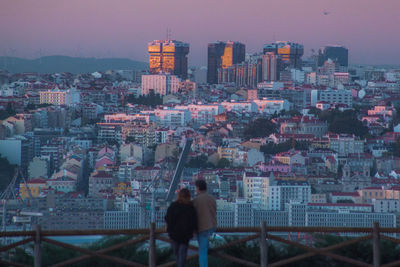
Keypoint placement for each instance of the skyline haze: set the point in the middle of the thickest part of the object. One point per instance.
(122, 28)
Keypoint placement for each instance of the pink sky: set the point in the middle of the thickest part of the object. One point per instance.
(122, 28)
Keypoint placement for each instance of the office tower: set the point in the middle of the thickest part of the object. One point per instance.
(270, 70)
(169, 56)
(223, 55)
(336, 53)
(289, 53)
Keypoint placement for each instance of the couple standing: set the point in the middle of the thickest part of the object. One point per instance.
(185, 217)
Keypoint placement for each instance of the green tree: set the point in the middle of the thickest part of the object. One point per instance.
(151, 99)
(223, 163)
(344, 122)
(198, 162)
(6, 173)
(259, 128)
(272, 148)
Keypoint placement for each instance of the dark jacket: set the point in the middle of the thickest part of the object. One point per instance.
(181, 222)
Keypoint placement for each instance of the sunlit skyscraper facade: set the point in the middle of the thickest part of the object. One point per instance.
(169, 56)
(223, 55)
(289, 53)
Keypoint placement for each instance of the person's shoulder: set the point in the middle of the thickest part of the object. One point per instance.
(209, 196)
(174, 204)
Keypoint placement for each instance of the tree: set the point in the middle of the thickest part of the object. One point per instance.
(259, 128)
(395, 148)
(314, 111)
(151, 99)
(6, 173)
(272, 148)
(344, 122)
(198, 162)
(223, 163)
(4, 114)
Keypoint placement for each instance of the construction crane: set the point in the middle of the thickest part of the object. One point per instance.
(10, 193)
(151, 188)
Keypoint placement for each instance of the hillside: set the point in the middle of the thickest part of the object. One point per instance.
(53, 64)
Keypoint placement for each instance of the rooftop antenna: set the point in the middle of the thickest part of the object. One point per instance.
(168, 34)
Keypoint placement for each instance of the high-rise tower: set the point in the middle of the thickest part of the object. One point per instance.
(270, 67)
(223, 55)
(168, 56)
(337, 53)
(290, 53)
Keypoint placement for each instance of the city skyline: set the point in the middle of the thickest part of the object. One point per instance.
(123, 28)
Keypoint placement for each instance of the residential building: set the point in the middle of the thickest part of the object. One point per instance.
(60, 97)
(161, 84)
(332, 96)
(256, 188)
(345, 144)
(282, 192)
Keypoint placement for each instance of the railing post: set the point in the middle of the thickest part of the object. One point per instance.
(263, 245)
(152, 245)
(37, 248)
(375, 245)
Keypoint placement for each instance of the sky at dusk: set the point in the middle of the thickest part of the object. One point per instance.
(122, 28)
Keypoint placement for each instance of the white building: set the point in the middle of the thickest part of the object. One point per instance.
(255, 188)
(332, 97)
(162, 84)
(283, 192)
(243, 213)
(240, 106)
(270, 106)
(349, 219)
(386, 205)
(345, 144)
(172, 117)
(60, 97)
(340, 207)
(122, 117)
(202, 113)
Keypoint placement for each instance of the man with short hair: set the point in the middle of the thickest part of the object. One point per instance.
(206, 208)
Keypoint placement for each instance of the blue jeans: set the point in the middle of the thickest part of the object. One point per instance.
(180, 251)
(202, 238)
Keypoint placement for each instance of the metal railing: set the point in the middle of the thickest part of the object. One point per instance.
(262, 234)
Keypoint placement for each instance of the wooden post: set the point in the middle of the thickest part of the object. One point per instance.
(37, 248)
(152, 245)
(263, 245)
(375, 245)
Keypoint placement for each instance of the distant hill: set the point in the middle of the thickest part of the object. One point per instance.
(53, 64)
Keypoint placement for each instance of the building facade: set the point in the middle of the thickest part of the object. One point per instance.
(223, 55)
(290, 53)
(169, 56)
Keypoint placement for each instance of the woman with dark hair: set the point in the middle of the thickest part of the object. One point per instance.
(181, 219)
